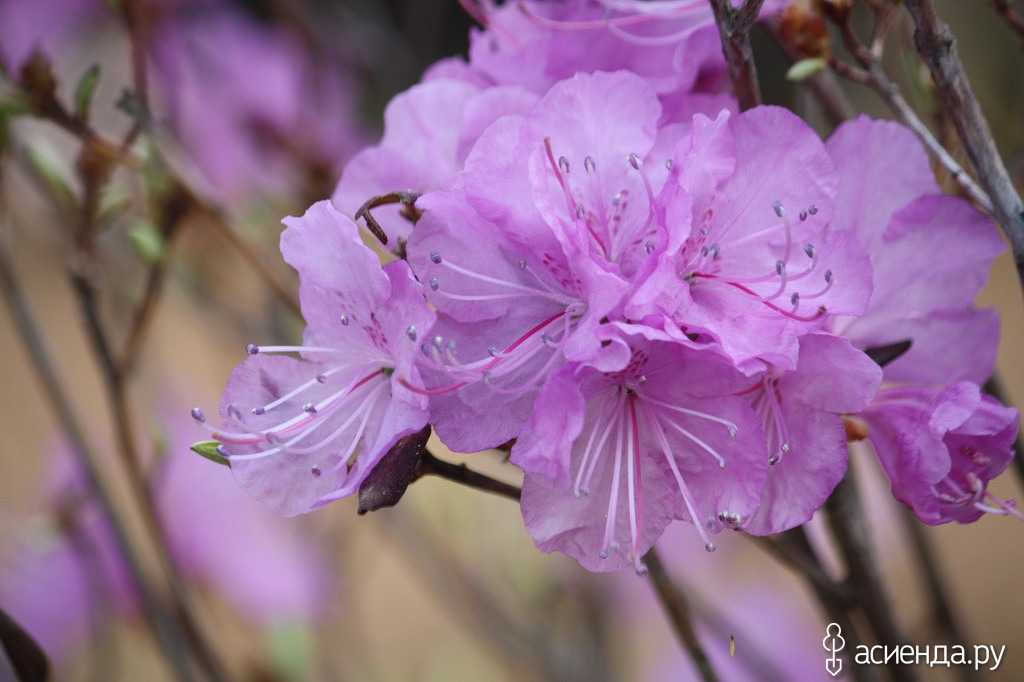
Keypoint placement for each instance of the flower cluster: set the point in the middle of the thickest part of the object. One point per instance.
(668, 307)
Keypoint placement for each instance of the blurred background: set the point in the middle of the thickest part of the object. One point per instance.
(448, 585)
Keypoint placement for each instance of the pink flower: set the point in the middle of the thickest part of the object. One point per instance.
(674, 46)
(941, 446)
(428, 132)
(800, 410)
(612, 457)
(254, 110)
(744, 259)
(930, 254)
(291, 427)
(41, 25)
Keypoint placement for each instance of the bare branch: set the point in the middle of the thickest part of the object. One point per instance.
(734, 29)
(678, 610)
(937, 45)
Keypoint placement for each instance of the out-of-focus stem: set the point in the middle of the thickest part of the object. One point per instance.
(838, 612)
(1010, 16)
(940, 607)
(937, 45)
(677, 608)
(734, 29)
(167, 635)
(850, 530)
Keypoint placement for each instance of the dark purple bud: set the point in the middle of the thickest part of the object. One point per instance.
(388, 481)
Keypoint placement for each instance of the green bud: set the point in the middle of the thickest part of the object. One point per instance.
(805, 68)
(44, 166)
(85, 90)
(208, 449)
(147, 241)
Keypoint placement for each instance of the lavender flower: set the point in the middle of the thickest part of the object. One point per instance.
(251, 106)
(301, 433)
(941, 446)
(612, 457)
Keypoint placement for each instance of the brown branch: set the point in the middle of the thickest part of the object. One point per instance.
(941, 611)
(167, 635)
(801, 560)
(430, 465)
(239, 244)
(405, 197)
(850, 530)
(872, 75)
(1010, 16)
(836, 611)
(677, 608)
(937, 45)
(135, 18)
(734, 29)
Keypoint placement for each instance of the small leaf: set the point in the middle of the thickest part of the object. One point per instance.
(805, 68)
(114, 205)
(85, 91)
(210, 450)
(44, 167)
(147, 241)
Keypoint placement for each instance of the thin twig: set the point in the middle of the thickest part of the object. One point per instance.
(734, 29)
(824, 84)
(873, 75)
(937, 45)
(677, 608)
(940, 611)
(836, 612)
(249, 255)
(1010, 16)
(166, 633)
(850, 530)
(173, 212)
(134, 14)
(522, 642)
(802, 561)
(460, 473)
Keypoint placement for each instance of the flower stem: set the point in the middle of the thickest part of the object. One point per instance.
(678, 610)
(460, 473)
(850, 530)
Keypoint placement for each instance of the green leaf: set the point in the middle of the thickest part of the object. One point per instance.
(147, 241)
(208, 449)
(114, 205)
(805, 68)
(85, 90)
(44, 166)
(12, 105)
